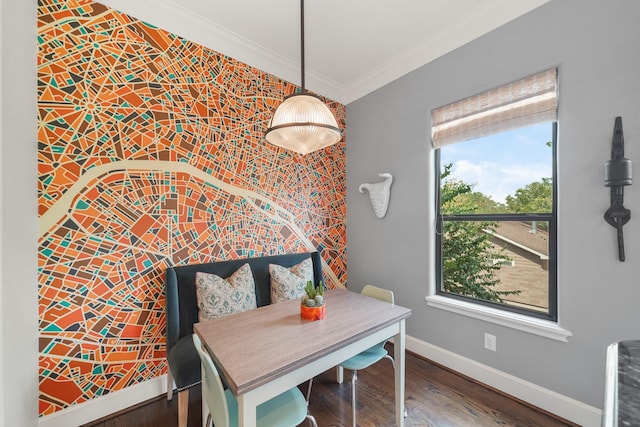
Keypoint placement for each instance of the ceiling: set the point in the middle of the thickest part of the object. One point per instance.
(352, 47)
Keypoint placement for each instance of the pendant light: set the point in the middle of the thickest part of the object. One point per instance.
(303, 123)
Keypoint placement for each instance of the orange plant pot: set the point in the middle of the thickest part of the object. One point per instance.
(312, 313)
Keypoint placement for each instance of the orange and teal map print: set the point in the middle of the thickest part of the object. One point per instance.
(151, 153)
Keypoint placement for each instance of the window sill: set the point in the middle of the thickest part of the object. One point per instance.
(544, 328)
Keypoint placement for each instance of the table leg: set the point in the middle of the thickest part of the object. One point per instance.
(205, 409)
(339, 374)
(398, 356)
(246, 412)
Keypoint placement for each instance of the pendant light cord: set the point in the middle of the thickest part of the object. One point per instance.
(302, 44)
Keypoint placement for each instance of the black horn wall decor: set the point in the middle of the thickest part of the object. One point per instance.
(617, 174)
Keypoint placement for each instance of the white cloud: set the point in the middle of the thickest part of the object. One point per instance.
(498, 180)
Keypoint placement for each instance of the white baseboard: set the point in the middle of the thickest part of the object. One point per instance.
(104, 405)
(550, 401)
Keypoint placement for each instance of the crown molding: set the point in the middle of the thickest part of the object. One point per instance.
(172, 16)
(476, 23)
(177, 19)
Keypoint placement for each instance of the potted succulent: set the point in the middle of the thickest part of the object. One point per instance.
(312, 306)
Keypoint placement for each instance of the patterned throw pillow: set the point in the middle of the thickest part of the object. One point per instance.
(289, 283)
(219, 297)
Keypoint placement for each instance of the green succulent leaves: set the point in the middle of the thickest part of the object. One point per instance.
(314, 296)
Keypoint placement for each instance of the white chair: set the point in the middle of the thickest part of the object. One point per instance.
(370, 356)
(286, 409)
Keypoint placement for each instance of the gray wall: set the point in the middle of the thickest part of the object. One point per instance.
(596, 46)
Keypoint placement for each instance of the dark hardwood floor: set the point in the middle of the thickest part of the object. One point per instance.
(435, 397)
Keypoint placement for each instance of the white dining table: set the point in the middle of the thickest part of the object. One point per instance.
(263, 352)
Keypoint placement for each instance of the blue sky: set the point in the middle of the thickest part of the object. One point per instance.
(500, 164)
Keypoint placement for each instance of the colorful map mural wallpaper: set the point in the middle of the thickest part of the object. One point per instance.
(151, 153)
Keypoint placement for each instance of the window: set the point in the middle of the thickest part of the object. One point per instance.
(496, 197)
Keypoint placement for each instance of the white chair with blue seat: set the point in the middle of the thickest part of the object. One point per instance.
(286, 409)
(370, 356)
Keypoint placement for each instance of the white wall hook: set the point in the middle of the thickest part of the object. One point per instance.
(379, 193)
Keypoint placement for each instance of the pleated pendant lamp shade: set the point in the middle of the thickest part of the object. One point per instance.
(303, 123)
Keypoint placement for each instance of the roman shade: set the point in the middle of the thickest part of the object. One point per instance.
(521, 103)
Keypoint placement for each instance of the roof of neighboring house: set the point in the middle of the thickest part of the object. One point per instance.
(522, 234)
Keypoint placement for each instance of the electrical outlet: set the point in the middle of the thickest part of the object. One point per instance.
(489, 342)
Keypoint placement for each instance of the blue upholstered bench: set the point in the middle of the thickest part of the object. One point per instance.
(182, 313)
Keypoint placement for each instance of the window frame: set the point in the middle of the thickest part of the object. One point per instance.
(551, 218)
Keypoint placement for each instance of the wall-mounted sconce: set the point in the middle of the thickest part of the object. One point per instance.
(617, 174)
(379, 193)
